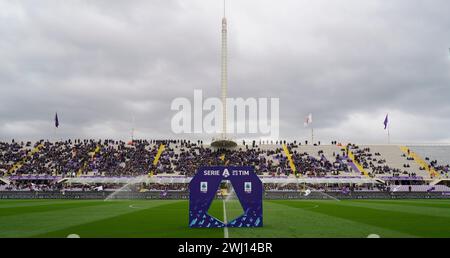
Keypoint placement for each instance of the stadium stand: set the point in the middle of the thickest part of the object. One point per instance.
(42, 166)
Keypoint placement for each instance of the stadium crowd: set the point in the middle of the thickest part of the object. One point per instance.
(375, 164)
(117, 158)
(111, 158)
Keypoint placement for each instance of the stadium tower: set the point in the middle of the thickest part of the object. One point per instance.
(224, 141)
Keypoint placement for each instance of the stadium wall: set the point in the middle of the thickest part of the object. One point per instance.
(355, 195)
(177, 195)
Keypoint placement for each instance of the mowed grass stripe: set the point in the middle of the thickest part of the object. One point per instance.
(408, 223)
(31, 202)
(404, 207)
(282, 220)
(14, 211)
(169, 220)
(40, 203)
(16, 201)
(36, 223)
(441, 204)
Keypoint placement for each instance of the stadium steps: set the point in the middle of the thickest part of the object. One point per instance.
(394, 159)
(267, 147)
(86, 163)
(437, 181)
(421, 188)
(328, 151)
(289, 157)
(161, 149)
(358, 166)
(5, 180)
(338, 150)
(19, 164)
(420, 161)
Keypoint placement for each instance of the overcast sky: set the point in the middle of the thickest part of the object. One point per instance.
(349, 62)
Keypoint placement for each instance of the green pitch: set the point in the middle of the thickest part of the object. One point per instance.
(163, 218)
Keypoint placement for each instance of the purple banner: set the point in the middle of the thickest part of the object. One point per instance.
(203, 188)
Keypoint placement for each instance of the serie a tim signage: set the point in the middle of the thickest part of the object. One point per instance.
(203, 188)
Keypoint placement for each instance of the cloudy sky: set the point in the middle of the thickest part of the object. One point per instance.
(101, 63)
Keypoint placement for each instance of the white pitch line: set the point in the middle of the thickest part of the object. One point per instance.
(225, 229)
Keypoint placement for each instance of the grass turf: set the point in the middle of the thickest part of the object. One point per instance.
(282, 218)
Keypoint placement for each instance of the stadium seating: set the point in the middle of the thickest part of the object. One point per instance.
(421, 188)
(110, 158)
(394, 157)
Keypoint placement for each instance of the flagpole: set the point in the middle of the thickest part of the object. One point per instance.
(132, 128)
(312, 135)
(389, 135)
(54, 129)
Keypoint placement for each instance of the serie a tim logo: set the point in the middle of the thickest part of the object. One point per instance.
(204, 187)
(248, 187)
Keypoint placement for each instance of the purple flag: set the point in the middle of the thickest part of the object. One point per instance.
(56, 120)
(386, 121)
